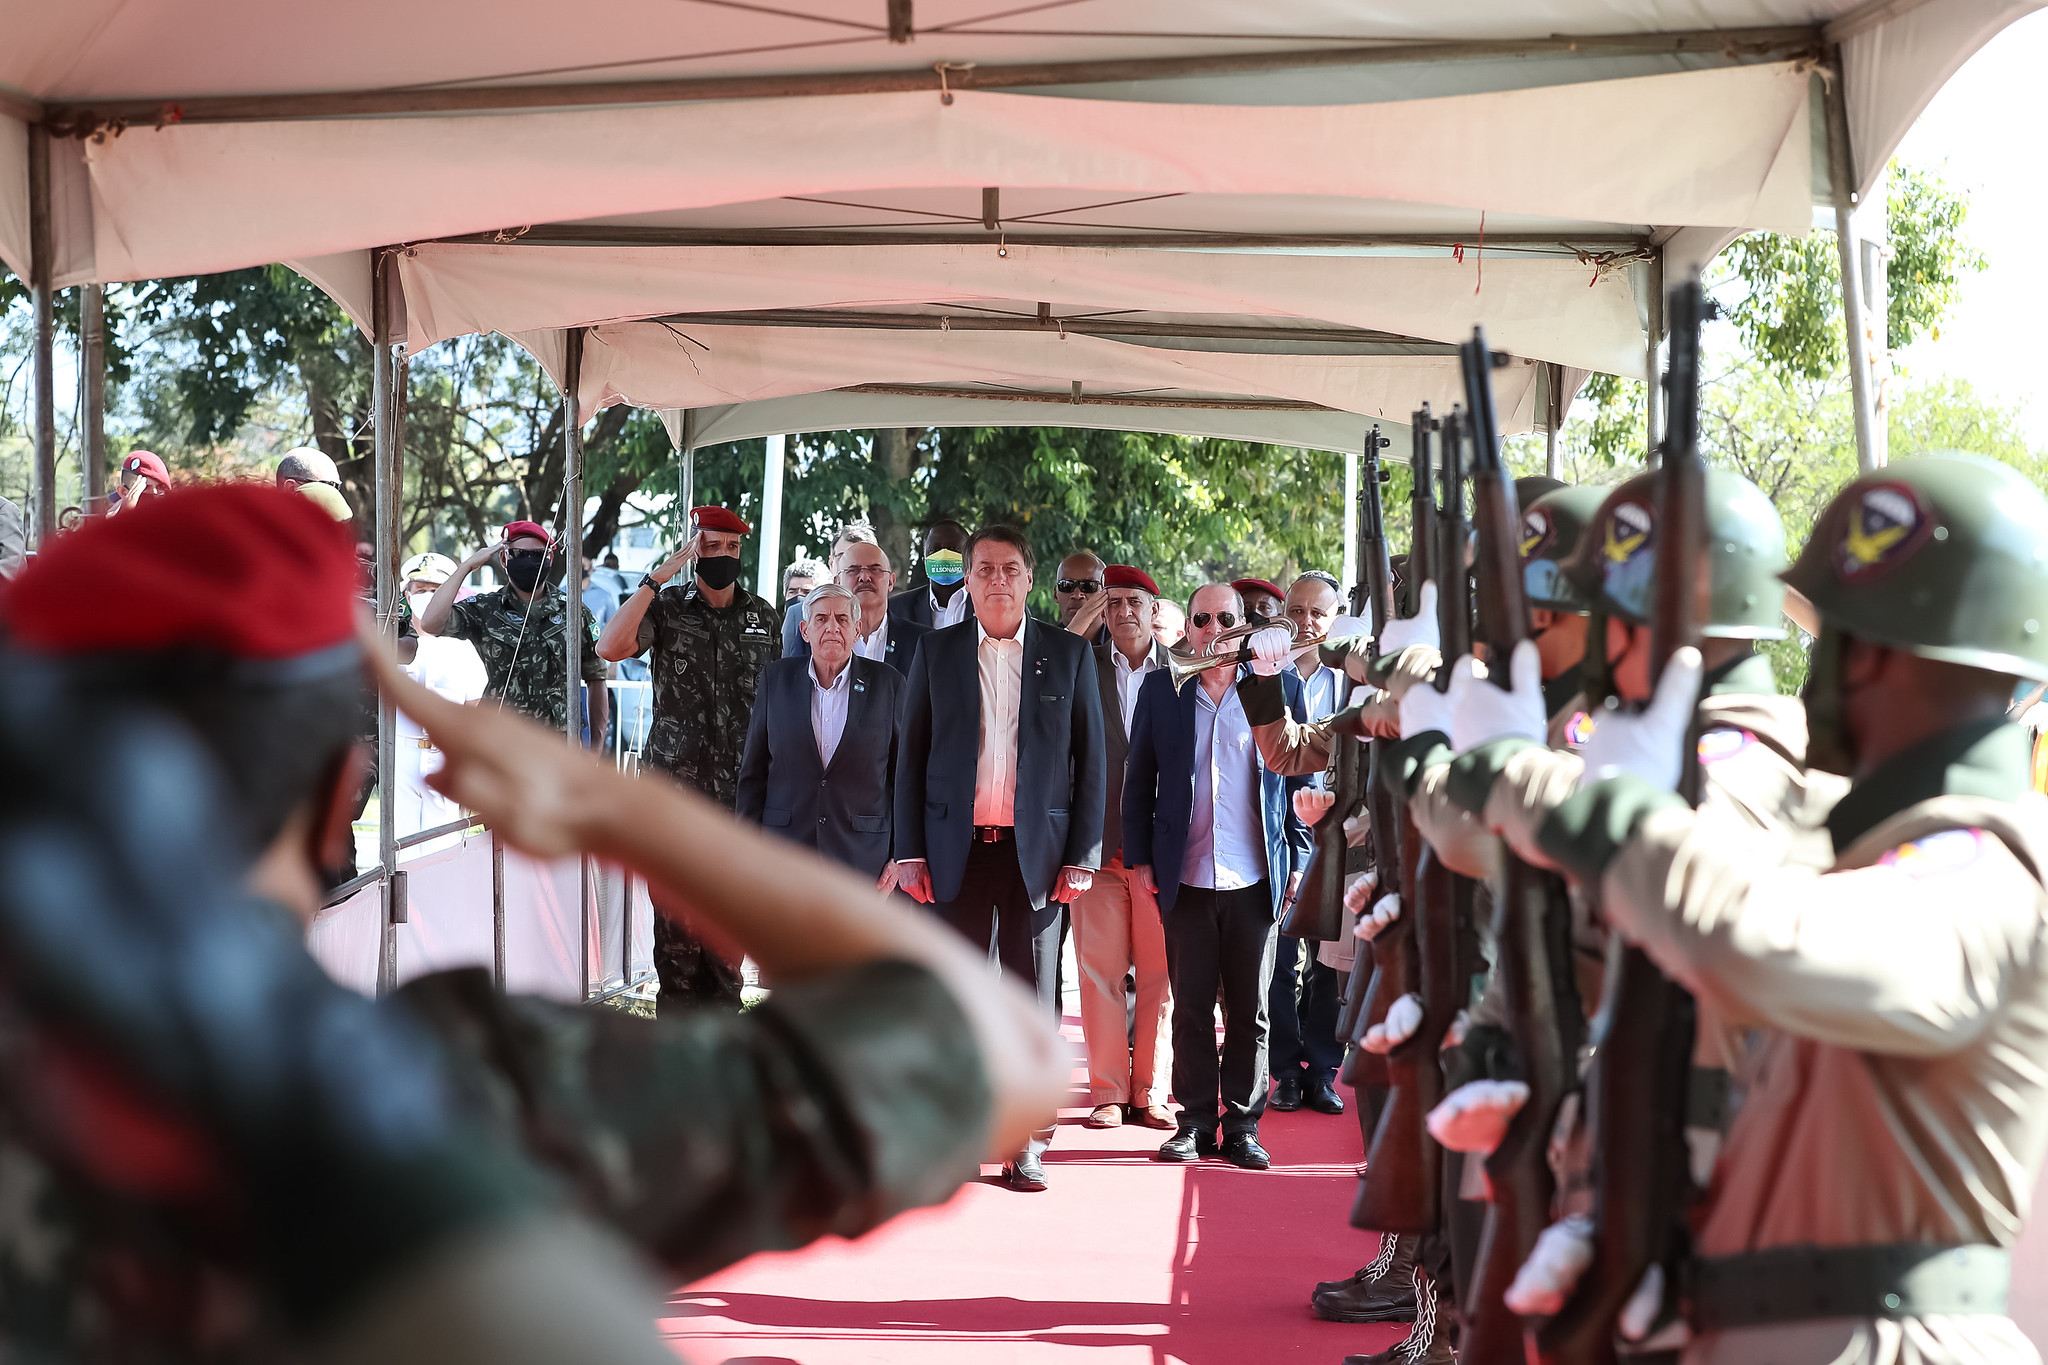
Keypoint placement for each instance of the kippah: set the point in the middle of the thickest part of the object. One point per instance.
(718, 519)
(1124, 576)
(515, 529)
(1257, 585)
(242, 569)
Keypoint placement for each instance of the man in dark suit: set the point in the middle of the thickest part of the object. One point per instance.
(864, 572)
(941, 599)
(1116, 926)
(820, 764)
(1000, 779)
(1212, 833)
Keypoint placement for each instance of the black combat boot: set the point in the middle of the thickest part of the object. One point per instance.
(1430, 1341)
(1383, 1291)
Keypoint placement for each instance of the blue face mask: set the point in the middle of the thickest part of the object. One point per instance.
(944, 566)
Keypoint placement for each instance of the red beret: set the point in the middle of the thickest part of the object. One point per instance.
(718, 519)
(1257, 585)
(1124, 576)
(147, 464)
(242, 569)
(515, 529)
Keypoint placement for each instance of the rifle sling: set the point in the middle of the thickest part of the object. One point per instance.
(1806, 1283)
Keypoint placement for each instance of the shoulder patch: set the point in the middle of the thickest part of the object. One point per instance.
(1579, 729)
(1717, 745)
(1951, 850)
(1883, 525)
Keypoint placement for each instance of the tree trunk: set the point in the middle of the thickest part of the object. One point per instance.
(895, 456)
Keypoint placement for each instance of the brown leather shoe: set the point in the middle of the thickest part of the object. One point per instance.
(1152, 1116)
(1106, 1116)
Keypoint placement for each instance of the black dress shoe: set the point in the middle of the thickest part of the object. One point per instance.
(1025, 1173)
(1286, 1095)
(1324, 1099)
(1188, 1144)
(1387, 1299)
(1242, 1149)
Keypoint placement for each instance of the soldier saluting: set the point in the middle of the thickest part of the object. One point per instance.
(710, 642)
(1882, 1160)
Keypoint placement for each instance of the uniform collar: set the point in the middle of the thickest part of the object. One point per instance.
(1992, 759)
(1746, 675)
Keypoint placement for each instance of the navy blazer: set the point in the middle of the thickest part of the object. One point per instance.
(1159, 790)
(1116, 743)
(1062, 773)
(903, 638)
(844, 811)
(914, 604)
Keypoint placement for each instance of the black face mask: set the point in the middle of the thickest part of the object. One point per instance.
(524, 570)
(720, 571)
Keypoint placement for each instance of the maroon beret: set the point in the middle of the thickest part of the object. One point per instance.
(1124, 576)
(242, 569)
(148, 465)
(718, 519)
(1257, 585)
(516, 529)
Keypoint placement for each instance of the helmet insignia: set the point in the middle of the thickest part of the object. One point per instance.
(1884, 524)
(1537, 532)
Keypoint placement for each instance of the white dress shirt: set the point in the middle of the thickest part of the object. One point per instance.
(1129, 680)
(874, 646)
(1001, 666)
(951, 613)
(828, 711)
(1227, 836)
(1322, 692)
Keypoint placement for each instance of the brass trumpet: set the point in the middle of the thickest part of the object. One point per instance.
(1180, 667)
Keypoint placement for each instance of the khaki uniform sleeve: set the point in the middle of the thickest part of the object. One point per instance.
(1879, 959)
(1531, 784)
(1463, 844)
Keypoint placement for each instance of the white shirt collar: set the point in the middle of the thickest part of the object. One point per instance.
(838, 684)
(981, 633)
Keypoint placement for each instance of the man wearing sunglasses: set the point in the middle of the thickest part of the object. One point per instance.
(1078, 591)
(521, 645)
(1211, 834)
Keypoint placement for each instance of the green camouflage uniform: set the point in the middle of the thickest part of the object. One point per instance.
(522, 653)
(701, 1139)
(706, 665)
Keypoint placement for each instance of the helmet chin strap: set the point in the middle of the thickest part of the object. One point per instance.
(1828, 744)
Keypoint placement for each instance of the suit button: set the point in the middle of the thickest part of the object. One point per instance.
(821, 819)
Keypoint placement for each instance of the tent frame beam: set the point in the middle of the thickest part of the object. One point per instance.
(1086, 400)
(43, 340)
(82, 118)
(1360, 340)
(606, 235)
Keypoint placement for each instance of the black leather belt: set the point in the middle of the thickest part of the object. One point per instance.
(1804, 1283)
(992, 834)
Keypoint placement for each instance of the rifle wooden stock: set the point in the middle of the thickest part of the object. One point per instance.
(1636, 1094)
(1402, 1188)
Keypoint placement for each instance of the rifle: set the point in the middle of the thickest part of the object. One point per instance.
(1403, 1187)
(1318, 909)
(1531, 925)
(1636, 1091)
(1372, 597)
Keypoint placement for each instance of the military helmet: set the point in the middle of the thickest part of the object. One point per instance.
(1945, 556)
(1530, 487)
(1616, 558)
(1552, 527)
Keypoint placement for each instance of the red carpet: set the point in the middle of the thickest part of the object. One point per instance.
(1124, 1261)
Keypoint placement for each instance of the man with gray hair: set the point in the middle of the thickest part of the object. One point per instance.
(821, 749)
(801, 576)
(851, 533)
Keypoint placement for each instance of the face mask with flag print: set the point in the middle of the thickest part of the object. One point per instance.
(945, 566)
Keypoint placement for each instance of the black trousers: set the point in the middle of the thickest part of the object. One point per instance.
(1220, 939)
(993, 912)
(1303, 1008)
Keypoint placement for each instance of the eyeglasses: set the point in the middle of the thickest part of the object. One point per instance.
(864, 571)
(1085, 586)
(1224, 619)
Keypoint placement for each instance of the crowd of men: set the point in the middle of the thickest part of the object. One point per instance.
(1847, 890)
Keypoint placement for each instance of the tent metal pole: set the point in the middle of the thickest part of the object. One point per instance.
(1653, 390)
(1548, 244)
(43, 346)
(384, 407)
(769, 532)
(571, 546)
(686, 472)
(1348, 514)
(1553, 405)
(497, 912)
(92, 394)
(1842, 187)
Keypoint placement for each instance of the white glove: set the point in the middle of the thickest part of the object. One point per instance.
(1481, 711)
(1423, 708)
(1547, 1278)
(1384, 912)
(1639, 1314)
(1270, 650)
(1404, 1016)
(1475, 1117)
(1419, 629)
(1649, 744)
(1311, 805)
(1358, 895)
